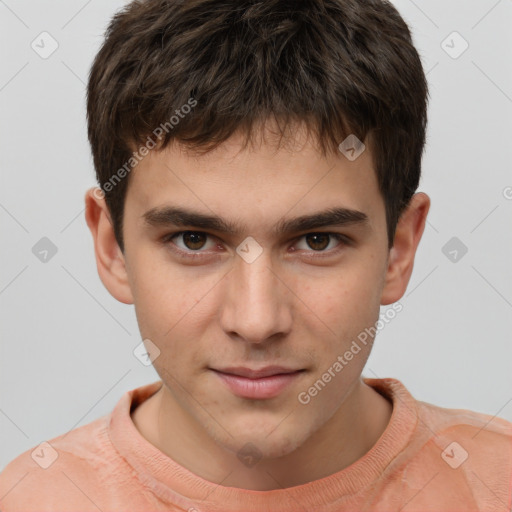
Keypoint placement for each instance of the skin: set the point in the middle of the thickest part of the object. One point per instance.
(286, 307)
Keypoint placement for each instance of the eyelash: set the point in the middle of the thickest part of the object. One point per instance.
(344, 241)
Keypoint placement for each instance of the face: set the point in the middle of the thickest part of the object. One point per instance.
(266, 292)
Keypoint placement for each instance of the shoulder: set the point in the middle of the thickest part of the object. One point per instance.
(473, 427)
(467, 451)
(58, 472)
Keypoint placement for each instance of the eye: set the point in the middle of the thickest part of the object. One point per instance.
(191, 241)
(320, 242)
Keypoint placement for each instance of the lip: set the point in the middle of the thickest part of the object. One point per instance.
(258, 384)
(250, 373)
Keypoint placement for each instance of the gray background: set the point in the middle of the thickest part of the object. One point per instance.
(67, 345)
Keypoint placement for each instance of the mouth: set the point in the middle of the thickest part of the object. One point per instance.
(258, 384)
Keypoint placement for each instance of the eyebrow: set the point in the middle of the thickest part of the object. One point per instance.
(178, 216)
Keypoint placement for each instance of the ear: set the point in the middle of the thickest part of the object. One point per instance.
(110, 260)
(401, 256)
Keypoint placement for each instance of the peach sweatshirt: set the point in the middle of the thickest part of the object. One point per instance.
(428, 459)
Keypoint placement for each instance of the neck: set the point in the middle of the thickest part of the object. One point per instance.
(350, 433)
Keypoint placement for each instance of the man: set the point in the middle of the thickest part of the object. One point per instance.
(258, 164)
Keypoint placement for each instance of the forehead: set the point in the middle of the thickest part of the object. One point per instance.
(257, 185)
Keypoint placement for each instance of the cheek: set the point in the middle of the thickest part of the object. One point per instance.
(351, 295)
(173, 307)
(341, 309)
(166, 295)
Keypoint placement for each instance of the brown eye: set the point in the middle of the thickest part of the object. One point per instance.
(189, 241)
(193, 246)
(194, 240)
(319, 244)
(318, 241)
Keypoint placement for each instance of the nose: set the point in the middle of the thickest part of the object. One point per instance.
(257, 303)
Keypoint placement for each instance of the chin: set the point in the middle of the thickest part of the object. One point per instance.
(283, 447)
(279, 443)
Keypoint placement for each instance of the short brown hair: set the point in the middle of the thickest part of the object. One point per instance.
(339, 66)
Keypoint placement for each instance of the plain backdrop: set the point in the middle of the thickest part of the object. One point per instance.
(67, 345)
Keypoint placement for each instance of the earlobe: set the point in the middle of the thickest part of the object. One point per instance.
(408, 234)
(110, 260)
